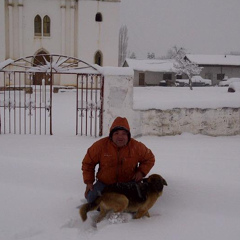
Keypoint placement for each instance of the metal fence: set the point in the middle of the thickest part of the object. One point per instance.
(26, 103)
(24, 108)
(89, 115)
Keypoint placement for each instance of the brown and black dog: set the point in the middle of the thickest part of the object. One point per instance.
(132, 197)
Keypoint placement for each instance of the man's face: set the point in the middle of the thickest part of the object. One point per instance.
(120, 138)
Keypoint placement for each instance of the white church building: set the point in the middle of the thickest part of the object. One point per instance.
(83, 29)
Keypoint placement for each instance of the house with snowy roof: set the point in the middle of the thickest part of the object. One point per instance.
(217, 67)
(151, 72)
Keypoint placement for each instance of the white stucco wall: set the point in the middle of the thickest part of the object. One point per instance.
(102, 36)
(24, 41)
(2, 31)
(74, 31)
(118, 101)
(33, 43)
(212, 122)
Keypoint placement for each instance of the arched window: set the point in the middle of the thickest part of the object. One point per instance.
(98, 58)
(37, 26)
(98, 17)
(46, 26)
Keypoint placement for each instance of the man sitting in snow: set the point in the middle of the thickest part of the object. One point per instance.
(119, 157)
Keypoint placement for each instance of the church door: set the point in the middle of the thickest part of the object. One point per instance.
(40, 60)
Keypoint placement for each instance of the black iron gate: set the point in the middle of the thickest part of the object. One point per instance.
(26, 105)
(89, 105)
(24, 108)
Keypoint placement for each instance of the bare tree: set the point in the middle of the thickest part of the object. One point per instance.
(175, 51)
(123, 44)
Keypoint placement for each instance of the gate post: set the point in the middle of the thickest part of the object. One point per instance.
(89, 104)
(51, 89)
(118, 97)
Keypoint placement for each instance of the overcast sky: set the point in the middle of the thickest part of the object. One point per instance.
(200, 26)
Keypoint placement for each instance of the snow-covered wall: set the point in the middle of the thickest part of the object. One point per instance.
(118, 98)
(118, 101)
(213, 122)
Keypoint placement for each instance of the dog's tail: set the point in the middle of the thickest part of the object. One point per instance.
(87, 207)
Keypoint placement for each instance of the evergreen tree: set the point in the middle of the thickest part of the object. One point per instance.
(133, 55)
(123, 44)
(151, 55)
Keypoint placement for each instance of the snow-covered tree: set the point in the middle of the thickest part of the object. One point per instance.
(151, 55)
(123, 44)
(184, 66)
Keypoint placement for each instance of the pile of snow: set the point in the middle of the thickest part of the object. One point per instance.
(228, 82)
(235, 86)
(5, 63)
(196, 79)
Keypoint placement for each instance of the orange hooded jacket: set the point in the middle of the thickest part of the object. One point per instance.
(116, 164)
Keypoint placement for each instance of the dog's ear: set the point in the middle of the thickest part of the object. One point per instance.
(164, 182)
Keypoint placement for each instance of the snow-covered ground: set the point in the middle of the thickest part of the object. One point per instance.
(41, 184)
(182, 97)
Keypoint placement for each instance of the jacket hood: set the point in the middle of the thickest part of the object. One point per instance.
(120, 124)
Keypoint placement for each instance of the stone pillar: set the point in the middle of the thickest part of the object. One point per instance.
(72, 33)
(10, 10)
(63, 15)
(118, 98)
(20, 25)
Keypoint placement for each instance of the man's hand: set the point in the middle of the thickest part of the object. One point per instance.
(138, 176)
(89, 187)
